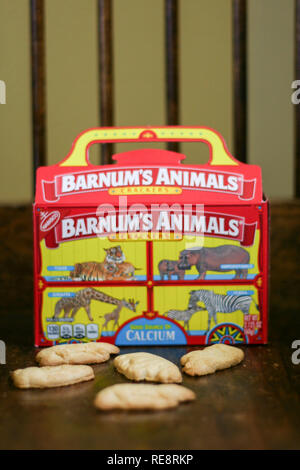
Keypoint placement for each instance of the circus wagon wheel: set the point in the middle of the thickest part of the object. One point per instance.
(226, 333)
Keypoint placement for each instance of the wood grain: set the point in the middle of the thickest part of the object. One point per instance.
(38, 77)
(105, 42)
(172, 66)
(239, 8)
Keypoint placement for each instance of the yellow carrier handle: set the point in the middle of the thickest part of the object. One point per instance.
(219, 154)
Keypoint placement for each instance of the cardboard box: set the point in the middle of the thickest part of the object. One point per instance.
(150, 250)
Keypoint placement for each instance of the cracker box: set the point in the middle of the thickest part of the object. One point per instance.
(150, 250)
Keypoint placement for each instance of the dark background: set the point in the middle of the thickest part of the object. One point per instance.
(252, 406)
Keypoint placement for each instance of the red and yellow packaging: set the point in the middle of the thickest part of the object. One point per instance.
(150, 250)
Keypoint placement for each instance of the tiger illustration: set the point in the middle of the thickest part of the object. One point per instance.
(114, 255)
(92, 271)
(113, 268)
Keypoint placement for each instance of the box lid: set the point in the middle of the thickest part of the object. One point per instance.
(149, 175)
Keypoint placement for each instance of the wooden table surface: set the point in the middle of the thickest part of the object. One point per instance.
(252, 406)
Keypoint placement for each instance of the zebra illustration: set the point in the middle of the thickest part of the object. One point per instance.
(183, 315)
(219, 303)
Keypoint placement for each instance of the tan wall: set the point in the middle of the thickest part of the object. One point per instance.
(271, 72)
(15, 115)
(205, 88)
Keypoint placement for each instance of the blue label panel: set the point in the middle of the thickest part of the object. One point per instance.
(158, 331)
(60, 268)
(61, 294)
(240, 292)
(193, 277)
(237, 266)
(69, 279)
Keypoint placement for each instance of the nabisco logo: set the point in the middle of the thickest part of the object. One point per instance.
(49, 220)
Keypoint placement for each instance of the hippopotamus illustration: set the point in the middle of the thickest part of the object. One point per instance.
(168, 267)
(211, 259)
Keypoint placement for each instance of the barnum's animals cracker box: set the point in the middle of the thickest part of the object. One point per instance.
(150, 250)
